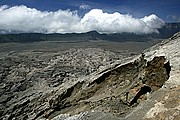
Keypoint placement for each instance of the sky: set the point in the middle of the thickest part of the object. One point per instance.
(104, 16)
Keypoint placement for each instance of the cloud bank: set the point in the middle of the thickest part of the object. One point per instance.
(24, 19)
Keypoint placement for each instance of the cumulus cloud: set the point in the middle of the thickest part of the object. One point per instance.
(24, 19)
(116, 22)
(21, 18)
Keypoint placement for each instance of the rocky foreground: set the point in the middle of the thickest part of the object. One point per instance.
(92, 84)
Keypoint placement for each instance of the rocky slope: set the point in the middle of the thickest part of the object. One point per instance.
(92, 84)
(29, 79)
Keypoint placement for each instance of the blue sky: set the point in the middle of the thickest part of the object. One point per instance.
(168, 10)
(104, 16)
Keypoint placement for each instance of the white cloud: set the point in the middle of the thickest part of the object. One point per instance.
(84, 7)
(98, 20)
(3, 7)
(24, 19)
(173, 17)
(153, 22)
(21, 18)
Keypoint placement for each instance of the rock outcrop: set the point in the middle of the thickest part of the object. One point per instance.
(92, 84)
(29, 79)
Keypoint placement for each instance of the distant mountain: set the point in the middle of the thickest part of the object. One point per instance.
(165, 32)
(35, 37)
(169, 29)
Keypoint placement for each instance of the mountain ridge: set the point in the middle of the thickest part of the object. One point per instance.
(165, 32)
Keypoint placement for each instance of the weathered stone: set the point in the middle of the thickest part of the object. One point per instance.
(91, 83)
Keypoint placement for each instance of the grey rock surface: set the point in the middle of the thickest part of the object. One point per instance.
(92, 84)
(29, 79)
(163, 101)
